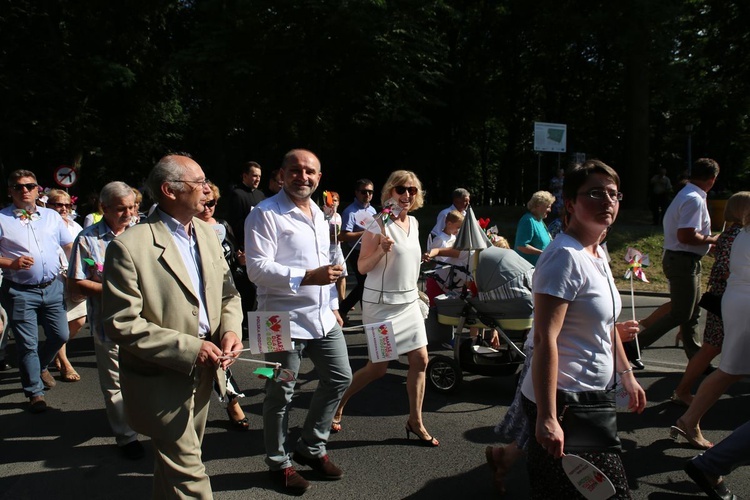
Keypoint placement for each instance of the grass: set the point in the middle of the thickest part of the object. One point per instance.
(633, 228)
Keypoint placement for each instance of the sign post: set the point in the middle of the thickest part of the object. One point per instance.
(65, 176)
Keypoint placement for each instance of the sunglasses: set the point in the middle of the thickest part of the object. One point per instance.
(60, 205)
(210, 203)
(366, 191)
(402, 189)
(20, 187)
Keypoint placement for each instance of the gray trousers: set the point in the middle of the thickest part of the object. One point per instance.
(683, 270)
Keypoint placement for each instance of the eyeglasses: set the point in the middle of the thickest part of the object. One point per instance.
(601, 194)
(60, 205)
(20, 187)
(366, 192)
(413, 190)
(210, 204)
(203, 183)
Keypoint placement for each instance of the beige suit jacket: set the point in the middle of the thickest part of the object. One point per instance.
(151, 311)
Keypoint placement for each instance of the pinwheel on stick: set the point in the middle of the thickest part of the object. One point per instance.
(636, 262)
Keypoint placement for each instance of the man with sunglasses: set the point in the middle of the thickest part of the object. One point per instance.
(30, 239)
(287, 242)
(350, 234)
(687, 238)
(461, 200)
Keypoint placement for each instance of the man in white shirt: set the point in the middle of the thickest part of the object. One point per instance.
(687, 238)
(286, 243)
(461, 200)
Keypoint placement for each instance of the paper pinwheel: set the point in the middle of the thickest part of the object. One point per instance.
(636, 262)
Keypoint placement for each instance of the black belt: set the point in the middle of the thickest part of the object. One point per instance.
(21, 286)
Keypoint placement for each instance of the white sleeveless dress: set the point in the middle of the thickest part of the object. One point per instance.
(390, 292)
(735, 352)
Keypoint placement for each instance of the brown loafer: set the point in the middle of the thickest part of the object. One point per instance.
(289, 480)
(47, 379)
(322, 465)
(37, 404)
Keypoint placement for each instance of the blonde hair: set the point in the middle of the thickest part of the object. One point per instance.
(540, 198)
(454, 216)
(738, 208)
(215, 190)
(398, 178)
(57, 193)
(500, 242)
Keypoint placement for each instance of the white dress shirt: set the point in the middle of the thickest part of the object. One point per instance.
(281, 244)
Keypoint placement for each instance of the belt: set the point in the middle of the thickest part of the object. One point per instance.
(22, 286)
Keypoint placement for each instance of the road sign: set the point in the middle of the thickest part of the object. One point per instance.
(550, 137)
(65, 176)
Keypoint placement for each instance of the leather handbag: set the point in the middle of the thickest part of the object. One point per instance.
(711, 302)
(589, 421)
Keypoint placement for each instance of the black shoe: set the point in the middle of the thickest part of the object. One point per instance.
(322, 465)
(289, 481)
(717, 492)
(637, 364)
(37, 404)
(133, 450)
(3, 365)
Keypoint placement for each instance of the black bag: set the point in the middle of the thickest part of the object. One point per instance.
(589, 421)
(711, 303)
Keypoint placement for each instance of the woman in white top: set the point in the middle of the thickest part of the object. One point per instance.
(391, 261)
(60, 201)
(575, 307)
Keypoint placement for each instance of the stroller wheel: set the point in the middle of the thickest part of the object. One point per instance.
(443, 374)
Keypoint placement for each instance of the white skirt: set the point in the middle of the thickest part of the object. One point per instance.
(407, 320)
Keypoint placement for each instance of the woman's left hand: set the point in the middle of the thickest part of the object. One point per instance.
(635, 391)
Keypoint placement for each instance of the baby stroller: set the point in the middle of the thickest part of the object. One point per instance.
(503, 302)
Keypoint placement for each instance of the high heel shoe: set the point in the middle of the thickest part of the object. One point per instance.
(238, 424)
(425, 441)
(677, 339)
(675, 431)
(335, 425)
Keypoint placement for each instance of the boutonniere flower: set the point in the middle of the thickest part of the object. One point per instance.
(25, 215)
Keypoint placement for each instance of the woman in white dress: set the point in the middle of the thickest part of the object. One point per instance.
(60, 201)
(391, 260)
(735, 352)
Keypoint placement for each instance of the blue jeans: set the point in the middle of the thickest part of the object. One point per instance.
(331, 360)
(26, 309)
(730, 453)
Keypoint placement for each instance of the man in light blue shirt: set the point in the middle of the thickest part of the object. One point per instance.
(31, 238)
(351, 232)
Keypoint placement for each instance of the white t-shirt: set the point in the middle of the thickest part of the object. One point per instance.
(567, 271)
(444, 240)
(688, 210)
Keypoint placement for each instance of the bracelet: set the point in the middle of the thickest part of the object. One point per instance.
(625, 371)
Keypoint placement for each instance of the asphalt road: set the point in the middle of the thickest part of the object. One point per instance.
(67, 453)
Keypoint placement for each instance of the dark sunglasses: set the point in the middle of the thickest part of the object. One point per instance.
(210, 203)
(402, 189)
(60, 205)
(20, 187)
(366, 191)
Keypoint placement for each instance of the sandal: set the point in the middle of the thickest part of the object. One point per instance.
(335, 425)
(697, 440)
(69, 375)
(678, 400)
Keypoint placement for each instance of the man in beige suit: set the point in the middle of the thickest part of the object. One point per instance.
(169, 302)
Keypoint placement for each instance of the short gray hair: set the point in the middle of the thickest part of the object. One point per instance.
(166, 170)
(114, 191)
(461, 193)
